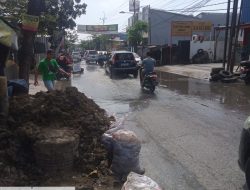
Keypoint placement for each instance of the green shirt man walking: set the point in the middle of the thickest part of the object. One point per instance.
(48, 68)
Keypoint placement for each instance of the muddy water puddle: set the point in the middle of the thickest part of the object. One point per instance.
(232, 95)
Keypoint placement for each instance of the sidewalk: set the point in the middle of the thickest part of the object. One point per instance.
(59, 85)
(198, 71)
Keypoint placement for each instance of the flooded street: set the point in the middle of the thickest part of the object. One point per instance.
(190, 129)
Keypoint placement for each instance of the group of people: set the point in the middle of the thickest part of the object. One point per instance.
(49, 67)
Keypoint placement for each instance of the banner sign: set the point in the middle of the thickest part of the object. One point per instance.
(30, 22)
(180, 28)
(134, 5)
(201, 26)
(185, 28)
(98, 29)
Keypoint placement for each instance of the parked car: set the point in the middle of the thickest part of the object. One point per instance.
(244, 151)
(91, 56)
(122, 62)
(76, 56)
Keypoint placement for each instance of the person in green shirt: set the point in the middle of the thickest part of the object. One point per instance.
(48, 68)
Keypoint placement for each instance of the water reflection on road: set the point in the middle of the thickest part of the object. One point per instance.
(123, 95)
(119, 96)
(231, 95)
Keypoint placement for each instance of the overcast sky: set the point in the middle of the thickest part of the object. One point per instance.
(97, 9)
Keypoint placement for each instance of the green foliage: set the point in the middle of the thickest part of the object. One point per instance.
(70, 39)
(11, 10)
(61, 14)
(135, 33)
(101, 42)
(87, 44)
(57, 15)
(98, 42)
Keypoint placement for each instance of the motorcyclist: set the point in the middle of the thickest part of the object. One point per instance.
(147, 65)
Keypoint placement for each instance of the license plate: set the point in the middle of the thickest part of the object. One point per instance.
(243, 75)
(124, 64)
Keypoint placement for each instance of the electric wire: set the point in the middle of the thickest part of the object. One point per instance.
(176, 14)
(184, 9)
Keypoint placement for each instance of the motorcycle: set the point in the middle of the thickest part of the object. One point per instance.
(245, 71)
(149, 81)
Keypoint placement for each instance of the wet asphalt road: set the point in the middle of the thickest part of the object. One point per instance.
(190, 129)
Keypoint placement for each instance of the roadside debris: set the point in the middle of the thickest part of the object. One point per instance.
(50, 137)
(219, 74)
(200, 57)
(123, 148)
(140, 182)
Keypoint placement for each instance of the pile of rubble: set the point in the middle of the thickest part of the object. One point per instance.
(54, 139)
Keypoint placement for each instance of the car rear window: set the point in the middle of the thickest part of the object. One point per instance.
(124, 56)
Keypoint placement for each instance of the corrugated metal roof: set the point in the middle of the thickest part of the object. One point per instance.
(245, 15)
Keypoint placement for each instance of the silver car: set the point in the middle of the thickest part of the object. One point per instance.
(76, 56)
(91, 56)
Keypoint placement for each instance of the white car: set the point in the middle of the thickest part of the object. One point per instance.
(91, 56)
(76, 56)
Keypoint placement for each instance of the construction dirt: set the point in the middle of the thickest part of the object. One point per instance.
(54, 139)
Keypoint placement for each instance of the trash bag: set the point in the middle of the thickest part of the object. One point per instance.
(19, 87)
(140, 182)
(123, 148)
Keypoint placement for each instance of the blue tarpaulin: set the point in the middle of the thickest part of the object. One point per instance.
(245, 15)
(17, 87)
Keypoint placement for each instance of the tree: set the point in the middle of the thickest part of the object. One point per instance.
(98, 42)
(12, 9)
(135, 33)
(60, 15)
(70, 39)
(55, 15)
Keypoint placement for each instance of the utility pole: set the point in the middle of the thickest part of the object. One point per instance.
(134, 13)
(103, 19)
(149, 26)
(26, 52)
(236, 38)
(232, 37)
(226, 34)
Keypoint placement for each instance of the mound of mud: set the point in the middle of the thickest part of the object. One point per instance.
(29, 116)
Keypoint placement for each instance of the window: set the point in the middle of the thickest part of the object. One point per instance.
(124, 56)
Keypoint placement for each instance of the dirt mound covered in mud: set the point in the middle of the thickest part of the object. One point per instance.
(31, 118)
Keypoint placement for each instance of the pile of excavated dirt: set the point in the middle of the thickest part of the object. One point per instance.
(29, 116)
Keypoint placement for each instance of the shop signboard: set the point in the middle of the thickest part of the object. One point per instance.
(30, 22)
(185, 28)
(201, 26)
(181, 28)
(98, 29)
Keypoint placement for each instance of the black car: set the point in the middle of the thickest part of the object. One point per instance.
(244, 151)
(122, 62)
